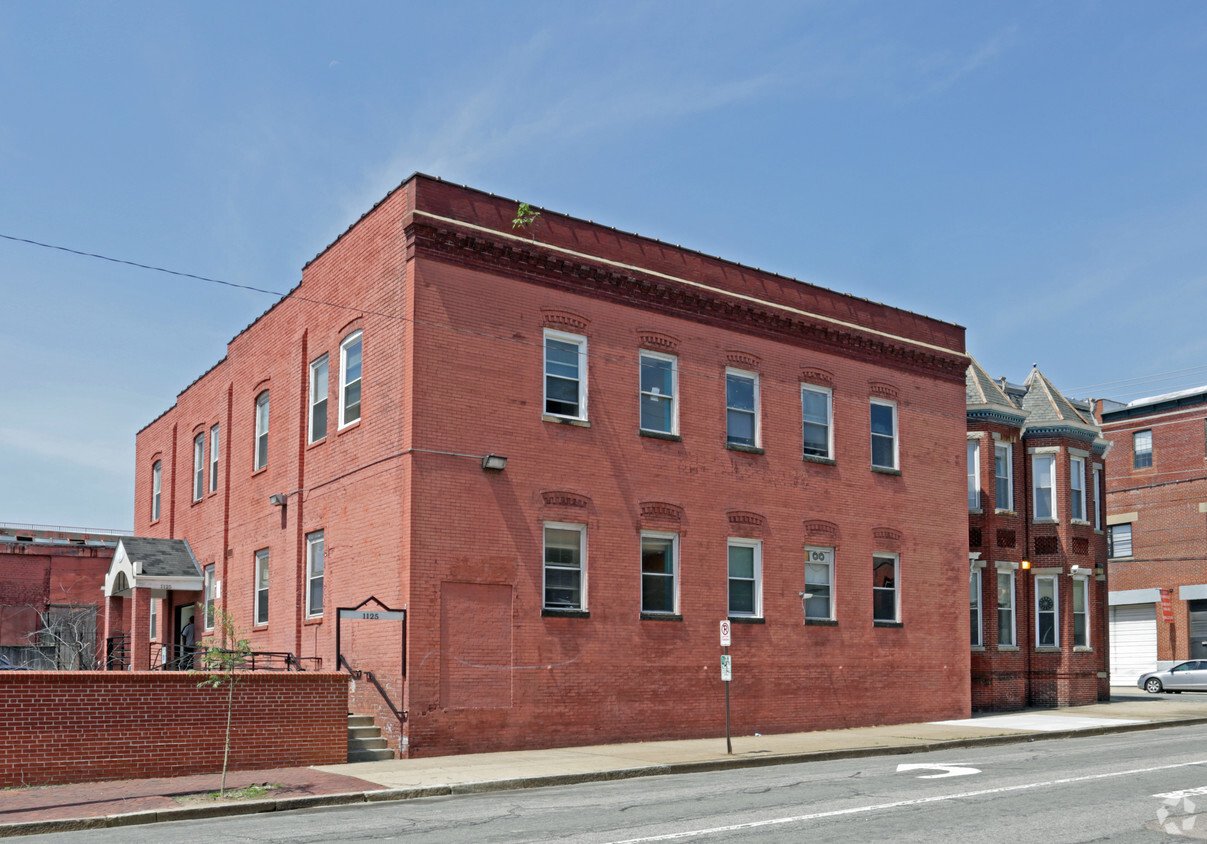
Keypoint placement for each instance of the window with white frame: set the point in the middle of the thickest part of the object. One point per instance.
(745, 573)
(884, 434)
(565, 566)
(659, 572)
(886, 604)
(658, 388)
(349, 378)
(565, 375)
(314, 573)
(1047, 611)
(819, 583)
(208, 589)
(1142, 449)
(261, 430)
(974, 474)
(1077, 488)
(318, 399)
(1081, 614)
(741, 408)
(1043, 473)
(156, 488)
(1097, 498)
(154, 612)
(1119, 541)
(817, 414)
(198, 466)
(1005, 608)
(974, 606)
(1003, 476)
(261, 575)
(214, 438)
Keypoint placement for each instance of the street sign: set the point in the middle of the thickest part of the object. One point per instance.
(726, 668)
(725, 637)
(374, 615)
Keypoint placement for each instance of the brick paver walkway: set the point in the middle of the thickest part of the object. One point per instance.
(95, 799)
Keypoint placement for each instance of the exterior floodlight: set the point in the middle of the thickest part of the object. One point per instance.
(494, 463)
(277, 500)
(1026, 564)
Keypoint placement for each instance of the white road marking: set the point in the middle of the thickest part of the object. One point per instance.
(1178, 795)
(896, 804)
(948, 771)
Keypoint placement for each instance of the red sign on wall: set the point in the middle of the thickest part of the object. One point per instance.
(1167, 605)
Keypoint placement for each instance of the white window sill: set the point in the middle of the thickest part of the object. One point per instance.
(1083, 522)
(1007, 648)
(565, 420)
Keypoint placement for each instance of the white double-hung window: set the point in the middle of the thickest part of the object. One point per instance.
(261, 575)
(1077, 488)
(198, 466)
(1005, 607)
(817, 413)
(659, 572)
(1003, 476)
(1047, 611)
(974, 606)
(156, 488)
(565, 566)
(214, 459)
(315, 566)
(659, 410)
(886, 594)
(745, 570)
(1081, 615)
(974, 474)
(318, 399)
(349, 378)
(741, 408)
(565, 375)
(884, 434)
(1043, 474)
(261, 458)
(819, 583)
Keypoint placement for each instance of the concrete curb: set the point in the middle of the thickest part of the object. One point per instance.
(284, 804)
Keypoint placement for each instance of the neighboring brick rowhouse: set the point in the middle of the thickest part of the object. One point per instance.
(81, 726)
(1159, 503)
(1025, 655)
(453, 308)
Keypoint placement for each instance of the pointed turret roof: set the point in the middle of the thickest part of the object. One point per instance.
(986, 399)
(1049, 413)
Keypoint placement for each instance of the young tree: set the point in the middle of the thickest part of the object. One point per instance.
(222, 657)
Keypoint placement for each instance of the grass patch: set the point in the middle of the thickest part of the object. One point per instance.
(248, 792)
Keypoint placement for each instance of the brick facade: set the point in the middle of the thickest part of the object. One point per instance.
(1014, 547)
(82, 726)
(454, 307)
(1164, 503)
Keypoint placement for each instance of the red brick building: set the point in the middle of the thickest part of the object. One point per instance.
(50, 595)
(569, 453)
(1156, 487)
(1037, 587)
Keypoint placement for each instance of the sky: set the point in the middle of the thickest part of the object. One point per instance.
(1034, 171)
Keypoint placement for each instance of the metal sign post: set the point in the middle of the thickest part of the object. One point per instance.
(726, 677)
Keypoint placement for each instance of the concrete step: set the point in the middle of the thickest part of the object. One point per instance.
(365, 741)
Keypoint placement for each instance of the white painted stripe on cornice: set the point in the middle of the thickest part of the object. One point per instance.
(743, 296)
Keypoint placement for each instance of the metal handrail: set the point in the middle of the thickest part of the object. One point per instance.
(117, 653)
(372, 678)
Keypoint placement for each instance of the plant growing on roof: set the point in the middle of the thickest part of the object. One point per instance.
(222, 658)
(525, 216)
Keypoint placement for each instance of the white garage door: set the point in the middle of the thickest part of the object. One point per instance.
(1133, 642)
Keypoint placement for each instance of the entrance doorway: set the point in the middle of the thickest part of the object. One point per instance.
(1198, 629)
(184, 652)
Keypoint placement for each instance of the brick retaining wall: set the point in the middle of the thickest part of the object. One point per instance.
(81, 726)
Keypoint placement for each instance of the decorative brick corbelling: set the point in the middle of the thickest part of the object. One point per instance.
(532, 263)
(882, 390)
(819, 530)
(564, 498)
(563, 320)
(661, 511)
(745, 517)
(742, 360)
(813, 375)
(658, 342)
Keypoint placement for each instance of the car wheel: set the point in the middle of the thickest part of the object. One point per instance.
(1153, 686)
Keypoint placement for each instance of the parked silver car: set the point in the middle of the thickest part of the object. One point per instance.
(1183, 677)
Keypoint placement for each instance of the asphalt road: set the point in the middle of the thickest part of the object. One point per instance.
(1124, 787)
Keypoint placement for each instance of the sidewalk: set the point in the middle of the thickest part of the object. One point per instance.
(91, 805)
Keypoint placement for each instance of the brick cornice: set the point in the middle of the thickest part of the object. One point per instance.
(535, 263)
